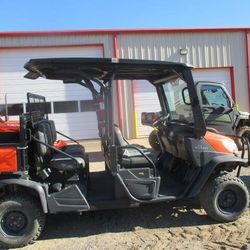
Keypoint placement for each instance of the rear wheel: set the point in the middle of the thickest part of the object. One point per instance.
(153, 141)
(225, 198)
(21, 220)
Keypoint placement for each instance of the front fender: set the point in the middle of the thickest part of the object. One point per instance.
(208, 170)
(37, 187)
(242, 118)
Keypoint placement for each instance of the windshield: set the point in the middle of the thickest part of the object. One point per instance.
(178, 100)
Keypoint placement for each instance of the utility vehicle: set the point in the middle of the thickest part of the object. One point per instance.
(38, 178)
(220, 113)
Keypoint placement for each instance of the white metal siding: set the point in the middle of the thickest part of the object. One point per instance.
(80, 125)
(54, 40)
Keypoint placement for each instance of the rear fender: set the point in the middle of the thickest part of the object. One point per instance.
(210, 168)
(34, 186)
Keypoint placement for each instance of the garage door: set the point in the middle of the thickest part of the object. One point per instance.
(214, 75)
(146, 100)
(71, 105)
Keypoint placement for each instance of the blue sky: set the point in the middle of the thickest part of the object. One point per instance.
(16, 15)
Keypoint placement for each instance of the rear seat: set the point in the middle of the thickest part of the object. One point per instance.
(50, 158)
(74, 149)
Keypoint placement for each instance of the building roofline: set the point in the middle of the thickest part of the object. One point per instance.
(119, 31)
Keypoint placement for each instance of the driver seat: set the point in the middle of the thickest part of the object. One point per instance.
(131, 157)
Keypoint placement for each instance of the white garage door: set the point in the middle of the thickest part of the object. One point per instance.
(71, 105)
(146, 100)
(214, 75)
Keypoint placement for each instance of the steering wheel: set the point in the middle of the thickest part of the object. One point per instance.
(209, 107)
(160, 120)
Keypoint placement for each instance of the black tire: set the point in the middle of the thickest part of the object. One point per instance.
(153, 141)
(244, 132)
(21, 220)
(225, 198)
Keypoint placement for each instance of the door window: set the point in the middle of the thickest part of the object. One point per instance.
(214, 96)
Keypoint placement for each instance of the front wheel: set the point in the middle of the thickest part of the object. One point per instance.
(224, 198)
(153, 141)
(21, 220)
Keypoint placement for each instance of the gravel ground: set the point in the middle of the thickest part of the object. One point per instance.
(159, 226)
(175, 225)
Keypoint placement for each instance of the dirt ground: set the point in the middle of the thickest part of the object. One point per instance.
(176, 225)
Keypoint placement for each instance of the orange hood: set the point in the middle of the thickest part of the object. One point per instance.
(220, 143)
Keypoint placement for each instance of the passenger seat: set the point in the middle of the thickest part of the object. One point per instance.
(130, 157)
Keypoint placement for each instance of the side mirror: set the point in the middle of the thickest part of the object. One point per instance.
(185, 96)
(148, 118)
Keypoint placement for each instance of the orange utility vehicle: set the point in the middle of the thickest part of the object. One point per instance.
(37, 178)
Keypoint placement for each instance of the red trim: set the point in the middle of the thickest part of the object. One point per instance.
(122, 31)
(54, 46)
(231, 72)
(248, 63)
(118, 86)
(116, 47)
(135, 135)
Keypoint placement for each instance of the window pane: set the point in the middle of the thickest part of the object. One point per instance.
(39, 107)
(13, 109)
(88, 105)
(65, 107)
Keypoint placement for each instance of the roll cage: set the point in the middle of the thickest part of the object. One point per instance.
(102, 72)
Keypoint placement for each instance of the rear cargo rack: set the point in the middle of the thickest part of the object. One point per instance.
(37, 103)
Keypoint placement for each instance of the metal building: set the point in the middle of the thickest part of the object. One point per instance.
(221, 54)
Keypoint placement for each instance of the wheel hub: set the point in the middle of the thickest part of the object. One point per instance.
(14, 222)
(227, 200)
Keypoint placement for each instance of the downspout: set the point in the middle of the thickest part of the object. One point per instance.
(248, 62)
(118, 85)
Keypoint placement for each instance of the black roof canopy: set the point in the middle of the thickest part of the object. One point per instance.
(77, 69)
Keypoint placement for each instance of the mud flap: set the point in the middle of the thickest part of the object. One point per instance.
(68, 200)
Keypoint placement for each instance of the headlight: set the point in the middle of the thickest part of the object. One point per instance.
(230, 146)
